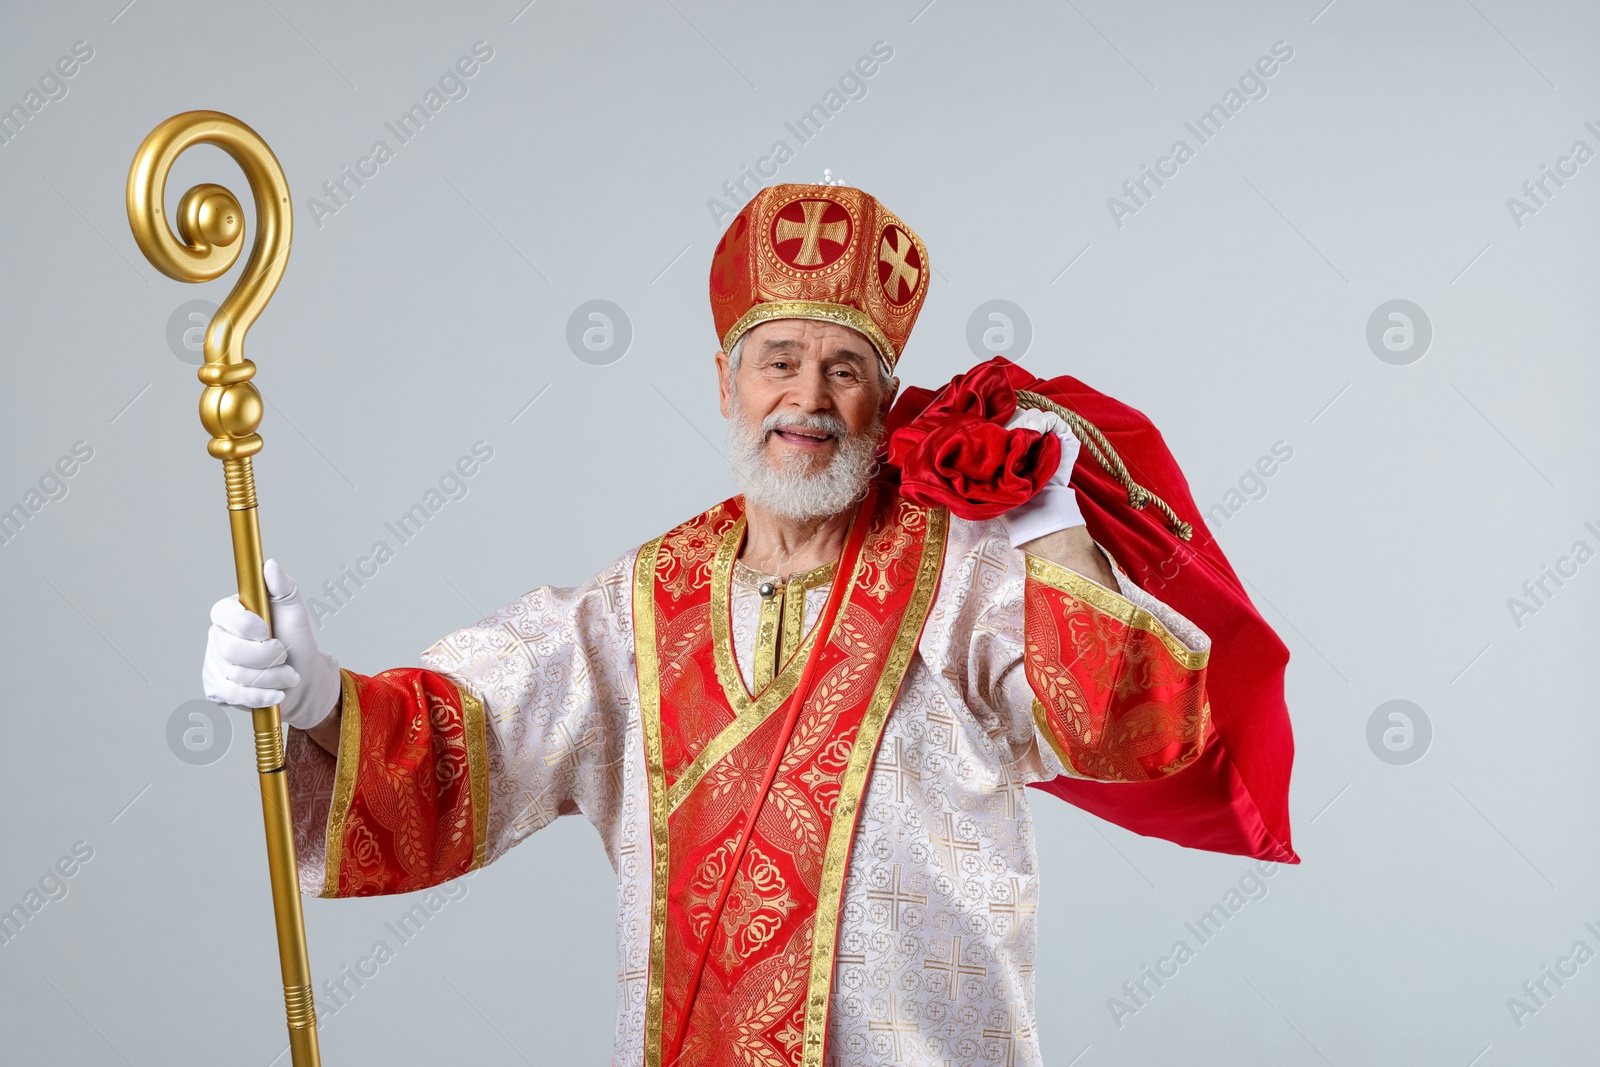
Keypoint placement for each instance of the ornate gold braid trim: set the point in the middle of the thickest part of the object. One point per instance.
(1138, 496)
(1070, 582)
(843, 314)
(649, 676)
(750, 578)
(474, 724)
(344, 783)
(852, 787)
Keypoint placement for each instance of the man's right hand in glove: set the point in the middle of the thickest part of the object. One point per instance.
(248, 667)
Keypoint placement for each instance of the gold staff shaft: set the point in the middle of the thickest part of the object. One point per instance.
(210, 223)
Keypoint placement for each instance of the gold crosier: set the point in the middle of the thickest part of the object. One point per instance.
(210, 224)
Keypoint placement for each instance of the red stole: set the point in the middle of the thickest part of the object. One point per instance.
(762, 965)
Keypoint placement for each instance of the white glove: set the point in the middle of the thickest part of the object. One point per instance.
(1055, 506)
(248, 668)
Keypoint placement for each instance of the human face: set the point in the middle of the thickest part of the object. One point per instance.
(795, 374)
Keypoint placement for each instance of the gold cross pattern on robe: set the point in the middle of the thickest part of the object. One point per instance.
(783, 616)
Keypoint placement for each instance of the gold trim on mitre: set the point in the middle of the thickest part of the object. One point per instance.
(842, 314)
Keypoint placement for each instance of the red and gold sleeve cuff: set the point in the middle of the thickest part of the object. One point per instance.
(1117, 696)
(411, 791)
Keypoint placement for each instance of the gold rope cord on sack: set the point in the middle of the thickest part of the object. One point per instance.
(1138, 496)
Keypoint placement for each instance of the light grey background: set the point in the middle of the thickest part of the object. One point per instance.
(432, 309)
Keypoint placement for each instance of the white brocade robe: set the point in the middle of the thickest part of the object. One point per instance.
(937, 930)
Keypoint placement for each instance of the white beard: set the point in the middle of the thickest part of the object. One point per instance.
(792, 492)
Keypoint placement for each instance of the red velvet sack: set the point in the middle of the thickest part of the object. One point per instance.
(1235, 798)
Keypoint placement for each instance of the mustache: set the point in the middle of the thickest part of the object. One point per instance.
(790, 486)
(830, 424)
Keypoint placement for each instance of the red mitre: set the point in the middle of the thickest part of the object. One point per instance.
(824, 252)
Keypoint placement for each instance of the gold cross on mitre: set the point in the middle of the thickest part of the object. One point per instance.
(895, 256)
(811, 232)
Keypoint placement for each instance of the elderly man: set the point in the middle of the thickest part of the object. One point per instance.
(800, 721)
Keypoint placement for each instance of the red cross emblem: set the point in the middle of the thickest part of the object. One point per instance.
(899, 266)
(811, 234)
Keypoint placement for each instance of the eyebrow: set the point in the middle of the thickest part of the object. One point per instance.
(776, 345)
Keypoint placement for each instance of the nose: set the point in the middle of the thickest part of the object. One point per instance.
(810, 393)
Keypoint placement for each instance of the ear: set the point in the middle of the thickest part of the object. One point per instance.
(722, 381)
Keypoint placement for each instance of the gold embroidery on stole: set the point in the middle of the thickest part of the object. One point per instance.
(825, 931)
(750, 712)
(807, 1034)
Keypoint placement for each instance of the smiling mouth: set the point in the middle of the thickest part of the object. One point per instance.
(799, 437)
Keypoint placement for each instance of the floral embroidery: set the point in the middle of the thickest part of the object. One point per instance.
(756, 905)
(684, 563)
(883, 564)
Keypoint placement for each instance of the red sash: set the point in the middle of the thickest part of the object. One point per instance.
(744, 916)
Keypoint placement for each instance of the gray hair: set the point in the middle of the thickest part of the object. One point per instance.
(885, 379)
